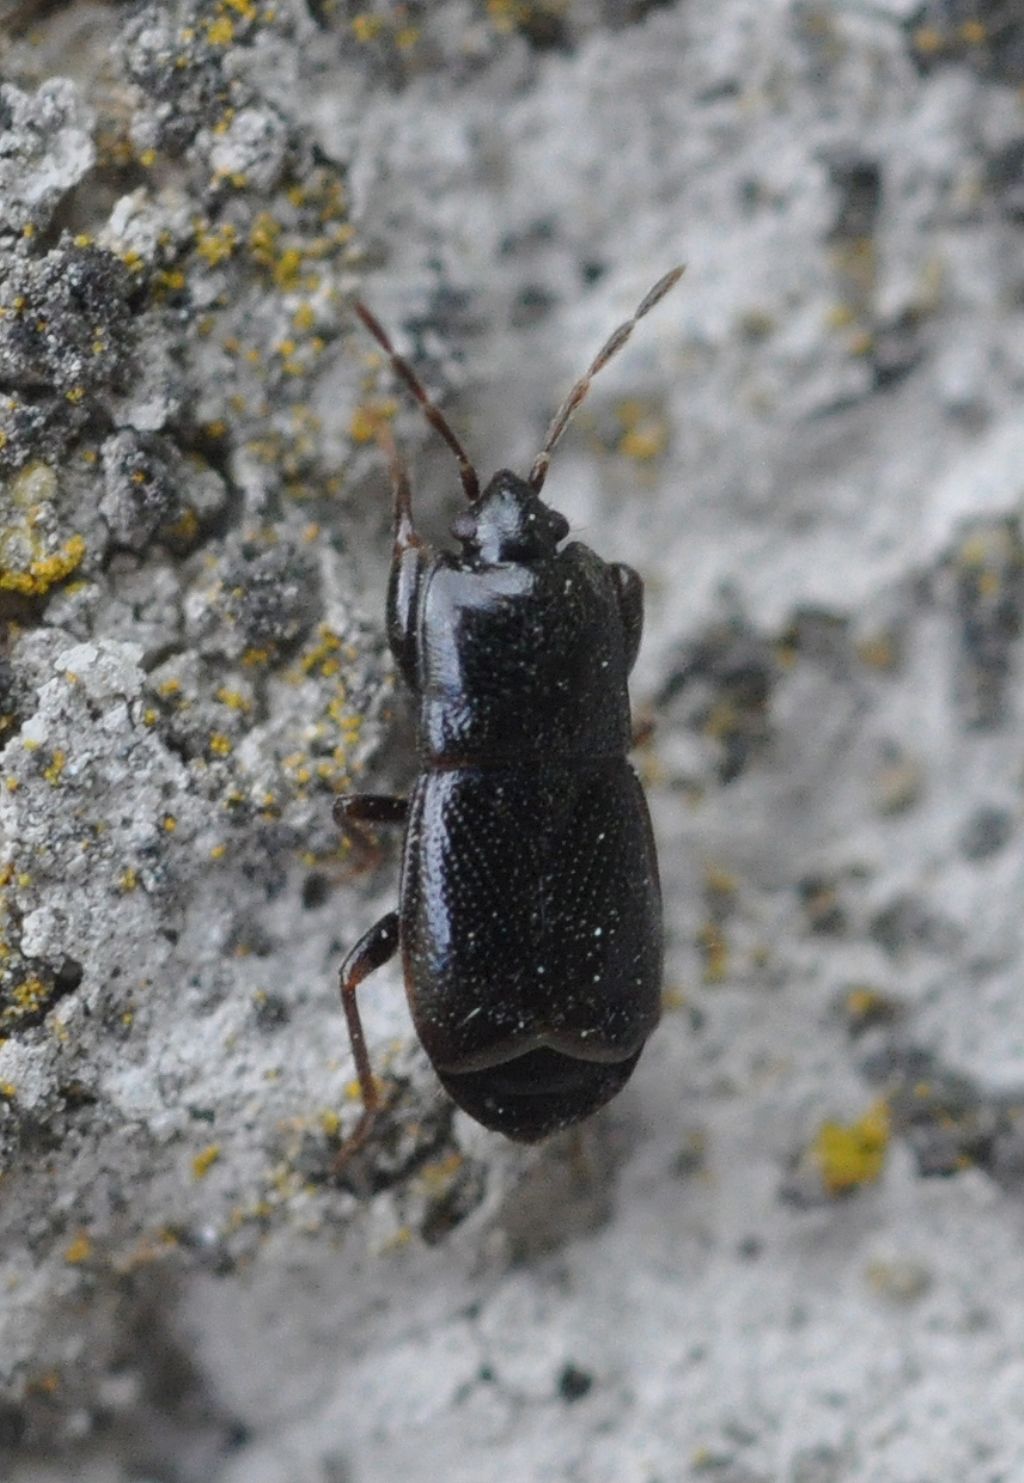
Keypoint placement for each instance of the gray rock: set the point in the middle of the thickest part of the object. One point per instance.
(46, 148)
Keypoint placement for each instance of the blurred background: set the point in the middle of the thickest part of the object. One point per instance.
(790, 1249)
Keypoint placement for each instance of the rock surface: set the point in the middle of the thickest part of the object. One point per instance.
(790, 1250)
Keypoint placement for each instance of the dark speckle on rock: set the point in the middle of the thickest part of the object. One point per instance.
(574, 1383)
(986, 832)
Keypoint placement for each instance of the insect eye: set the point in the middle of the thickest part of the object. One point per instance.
(463, 527)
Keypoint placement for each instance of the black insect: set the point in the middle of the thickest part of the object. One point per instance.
(529, 917)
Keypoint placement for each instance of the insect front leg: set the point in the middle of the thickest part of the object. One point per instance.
(350, 810)
(368, 808)
(372, 951)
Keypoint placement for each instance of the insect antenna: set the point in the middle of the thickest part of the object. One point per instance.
(433, 414)
(611, 347)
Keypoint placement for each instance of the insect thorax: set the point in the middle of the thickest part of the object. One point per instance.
(523, 660)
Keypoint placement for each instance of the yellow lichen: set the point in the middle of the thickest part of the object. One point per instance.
(220, 745)
(928, 40)
(862, 1002)
(263, 235)
(645, 442)
(205, 1160)
(436, 1176)
(366, 27)
(714, 951)
(46, 571)
(220, 32)
(840, 317)
(718, 881)
(364, 424)
(168, 280)
(80, 1250)
(288, 267)
(505, 14)
(319, 657)
(851, 1154)
(215, 244)
(27, 997)
(52, 774)
(646, 432)
(234, 699)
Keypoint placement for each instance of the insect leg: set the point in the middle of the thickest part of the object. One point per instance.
(643, 731)
(402, 521)
(351, 810)
(372, 951)
(369, 808)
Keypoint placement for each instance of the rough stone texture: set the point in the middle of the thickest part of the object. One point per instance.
(791, 1249)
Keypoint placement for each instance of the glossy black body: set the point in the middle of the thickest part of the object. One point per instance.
(529, 918)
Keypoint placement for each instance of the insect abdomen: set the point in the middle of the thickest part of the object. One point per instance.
(531, 917)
